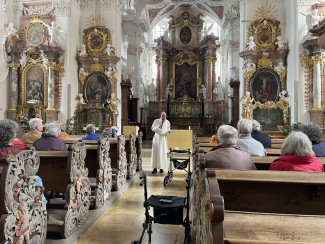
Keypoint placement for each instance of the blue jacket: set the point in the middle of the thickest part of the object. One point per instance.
(262, 138)
(319, 149)
(91, 136)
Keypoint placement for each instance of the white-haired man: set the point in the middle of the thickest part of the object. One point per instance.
(258, 136)
(161, 127)
(36, 129)
(245, 140)
(227, 154)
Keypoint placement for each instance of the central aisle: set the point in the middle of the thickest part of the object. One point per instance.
(122, 223)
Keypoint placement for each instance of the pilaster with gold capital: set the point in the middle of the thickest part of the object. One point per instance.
(13, 87)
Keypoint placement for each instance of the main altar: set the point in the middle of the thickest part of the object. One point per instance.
(186, 75)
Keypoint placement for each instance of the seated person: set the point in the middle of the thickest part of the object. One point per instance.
(90, 130)
(49, 140)
(110, 132)
(315, 134)
(63, 135)
(297, 126)
(8, 130)
(297, 155)
(19, 137)
(228, 155)
(258, 136)
(214, 138)
(36, 129)
(245, 140)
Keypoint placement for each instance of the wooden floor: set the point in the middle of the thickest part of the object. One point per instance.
(120, 220)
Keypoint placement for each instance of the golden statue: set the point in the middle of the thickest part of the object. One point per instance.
(112, 104)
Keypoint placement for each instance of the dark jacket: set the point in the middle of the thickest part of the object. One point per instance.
(228, 157)
(91, 136)
(297, 163)
(8, 149)
(319, 149)
(262, 138)
(49, 143)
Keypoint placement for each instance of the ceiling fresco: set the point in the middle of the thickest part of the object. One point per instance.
(154, 10)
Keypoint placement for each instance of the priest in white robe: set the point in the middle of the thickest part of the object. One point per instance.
(161, 127)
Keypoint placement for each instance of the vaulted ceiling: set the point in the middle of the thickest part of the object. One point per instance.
(154, 10)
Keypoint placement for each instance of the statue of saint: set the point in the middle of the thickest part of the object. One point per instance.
(53, 31)
(203, 91)
(10, 30)
(23, 60)
(152, 92)
(112, 104)
(251, 43)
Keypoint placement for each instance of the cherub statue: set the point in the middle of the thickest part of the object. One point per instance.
(281, 44)
(83, 50)
(108, 48)
(111, 104)
(23, 224)
(10, 30)
(251, 43)
(168, 91)
(284, 95)
(280, 68)
(53, 31)
(23, 60)
(250, 67)
(203, 91)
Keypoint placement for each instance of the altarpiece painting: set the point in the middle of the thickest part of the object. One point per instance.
(186, 81)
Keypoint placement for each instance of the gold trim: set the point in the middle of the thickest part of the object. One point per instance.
(97, 67)
(112, 79)
(210, 59)
(45, 83)
(305, 61)
(161, 60)
(317, 108)
(50, 108)
(272, 29)
(186, 24)
(14, 66)
(248, 108)
(35, 21)
(51, 65)
(190, 62)
(104, 37)
(13, 109)
(264, 62)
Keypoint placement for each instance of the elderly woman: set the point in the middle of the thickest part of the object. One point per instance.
(49, 140)
(8, 129)
(245, 140)
(258, 136)
(315, 134)
(90, 130)
(297, 155)
(228, 155)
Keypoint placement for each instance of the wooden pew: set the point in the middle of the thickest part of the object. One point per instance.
(99, 167)
(139, 150)
(65, 171)
(131, 155)
(118, 161)
(23, 217)
(204, 139)
(285, 207)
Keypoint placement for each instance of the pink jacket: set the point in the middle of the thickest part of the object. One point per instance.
(228, 157)
(297, 163)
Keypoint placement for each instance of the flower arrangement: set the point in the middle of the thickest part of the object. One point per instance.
(23, 121)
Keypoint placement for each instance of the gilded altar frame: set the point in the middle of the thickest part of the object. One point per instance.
(248, 107)
(188, 57)
(35, 32)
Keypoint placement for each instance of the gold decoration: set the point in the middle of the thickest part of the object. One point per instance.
(161, 60)
(186, 56)
(190, 38)
(111, 106)
(267, 11)
(112, 79)
(264, 62)
(305, 61)
(265, 35)
(98, 36)
(14, 66)
(248, 108)
(94, 20)
(210, 59)
(97, 67)
(35, 34)
(51, 65)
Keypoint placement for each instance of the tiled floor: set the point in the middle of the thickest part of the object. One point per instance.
(122, 223)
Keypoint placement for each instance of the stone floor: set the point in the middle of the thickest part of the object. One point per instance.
(122, 223)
